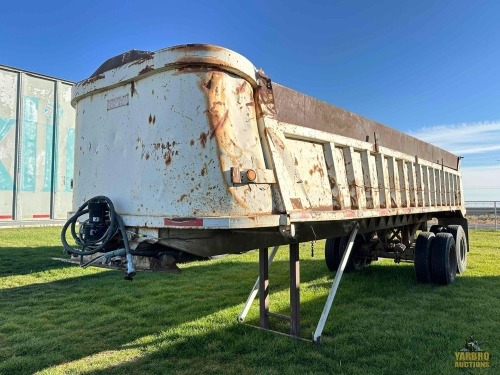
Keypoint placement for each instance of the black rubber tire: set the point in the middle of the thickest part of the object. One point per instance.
(443, 259)
(422, 262)
(458, 234)
(332, 257)
(436, 229)
(354, 263)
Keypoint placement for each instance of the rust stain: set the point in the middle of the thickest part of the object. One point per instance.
(323, 208)
(93, 79)
(203, 139)
(275, 139)
(265, 104)
(241, 88)
(353, 191)
(336, 202)
(191, 143)
(182, 198)
(168, 158)
(196, 68)
(147, 69)
(354, 202)
(132, 88)
(296, 203)
(217, 113)
(204, 170)
(316, 169)
(146, 57)
(219, 124)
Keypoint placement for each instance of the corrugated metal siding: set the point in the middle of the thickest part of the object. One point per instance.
(37, 125)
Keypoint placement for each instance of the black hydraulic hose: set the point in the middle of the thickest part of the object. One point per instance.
(94, 246)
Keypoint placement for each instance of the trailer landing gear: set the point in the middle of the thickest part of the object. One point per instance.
(261, 287)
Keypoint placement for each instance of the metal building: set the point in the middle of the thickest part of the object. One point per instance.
(37, 137)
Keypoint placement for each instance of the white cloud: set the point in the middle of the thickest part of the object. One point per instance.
(476, 150)
(463, 139)
(480, 144)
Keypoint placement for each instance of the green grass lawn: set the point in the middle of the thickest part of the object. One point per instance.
(56, 318)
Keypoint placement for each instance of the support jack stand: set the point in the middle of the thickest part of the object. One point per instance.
(333, 290)
(255, 289)
(261, 287)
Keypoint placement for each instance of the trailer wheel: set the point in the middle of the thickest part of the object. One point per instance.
(332, 256)
(422, 261)
(355, 262)
(436, 229)
(443, 259)
(458, 234)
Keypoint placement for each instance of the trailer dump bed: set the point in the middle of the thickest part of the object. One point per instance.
(200, 152)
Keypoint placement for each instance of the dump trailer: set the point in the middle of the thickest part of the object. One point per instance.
(192, 150)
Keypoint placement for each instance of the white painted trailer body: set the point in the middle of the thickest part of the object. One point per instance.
(193, 145)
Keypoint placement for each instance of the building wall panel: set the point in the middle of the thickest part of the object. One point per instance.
(36, 146)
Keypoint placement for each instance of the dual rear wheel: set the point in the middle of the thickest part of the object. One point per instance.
(440, 254)
(458, 234)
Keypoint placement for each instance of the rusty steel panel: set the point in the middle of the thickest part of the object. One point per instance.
(297, 108)
(194, 138)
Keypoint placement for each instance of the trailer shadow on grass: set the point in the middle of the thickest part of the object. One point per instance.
(24, 261)
(94, 322)
(402, 333)
(68, 313)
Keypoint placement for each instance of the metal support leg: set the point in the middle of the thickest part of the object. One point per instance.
(495, 209)
(264, 288)
(294, 290)
(255, 290)
(335, 285)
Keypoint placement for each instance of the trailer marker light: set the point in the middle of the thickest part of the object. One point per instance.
(251, 175)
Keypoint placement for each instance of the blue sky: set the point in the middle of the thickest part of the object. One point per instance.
(429, 68)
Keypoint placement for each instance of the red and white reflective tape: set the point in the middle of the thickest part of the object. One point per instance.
(183, 222)
(301, 215)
